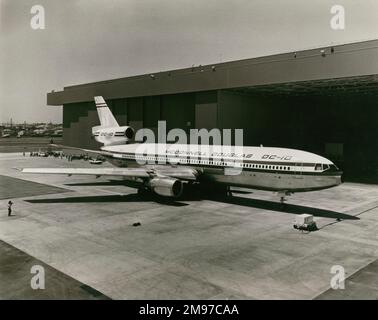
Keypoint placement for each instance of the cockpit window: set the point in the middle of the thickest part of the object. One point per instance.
(326, 167)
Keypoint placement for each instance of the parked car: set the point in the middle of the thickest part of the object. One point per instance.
(95, 161)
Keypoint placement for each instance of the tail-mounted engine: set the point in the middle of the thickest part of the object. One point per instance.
(113, 135)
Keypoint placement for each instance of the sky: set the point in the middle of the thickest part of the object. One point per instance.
(92, 40)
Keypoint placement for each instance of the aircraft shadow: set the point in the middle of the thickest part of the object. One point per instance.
(112, 198)
(189, 192)
(241, 192)
(130, 184)
(287, 207)
(197, 195)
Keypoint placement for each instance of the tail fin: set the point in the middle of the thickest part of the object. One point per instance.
(105, 115)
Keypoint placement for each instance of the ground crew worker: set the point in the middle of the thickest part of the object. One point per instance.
(10, 208)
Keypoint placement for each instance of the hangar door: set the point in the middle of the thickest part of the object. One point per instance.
(206, 116)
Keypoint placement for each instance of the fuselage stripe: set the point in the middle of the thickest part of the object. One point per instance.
(246, 165)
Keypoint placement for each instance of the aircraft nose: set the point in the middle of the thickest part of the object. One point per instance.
(338, 178)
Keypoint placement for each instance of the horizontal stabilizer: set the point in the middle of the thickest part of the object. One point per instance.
(99, 152)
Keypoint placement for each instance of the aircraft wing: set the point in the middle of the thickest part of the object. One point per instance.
(184, 173)
(125, 172)
(142, 172)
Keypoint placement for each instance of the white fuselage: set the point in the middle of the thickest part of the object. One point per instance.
(276, 169)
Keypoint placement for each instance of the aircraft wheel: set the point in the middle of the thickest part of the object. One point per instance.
(142, 191)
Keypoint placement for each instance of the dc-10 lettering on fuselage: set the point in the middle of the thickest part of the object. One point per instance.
(164, 168)
(277, 157)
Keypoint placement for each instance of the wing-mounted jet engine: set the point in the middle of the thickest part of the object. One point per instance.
(166, 187)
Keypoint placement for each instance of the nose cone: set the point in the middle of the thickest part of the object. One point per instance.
(341, 178)
(337, 178)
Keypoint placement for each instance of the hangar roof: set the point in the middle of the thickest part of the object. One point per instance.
(328, 87)
(352, 67)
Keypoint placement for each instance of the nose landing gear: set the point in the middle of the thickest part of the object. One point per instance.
(283, 195)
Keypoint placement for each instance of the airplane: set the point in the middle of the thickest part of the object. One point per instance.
(165, 168)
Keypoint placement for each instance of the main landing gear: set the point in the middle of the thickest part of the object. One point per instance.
(143, 190)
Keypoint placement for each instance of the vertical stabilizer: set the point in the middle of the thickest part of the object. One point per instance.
(105, 115)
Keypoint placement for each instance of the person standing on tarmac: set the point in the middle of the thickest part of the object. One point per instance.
(10, 203)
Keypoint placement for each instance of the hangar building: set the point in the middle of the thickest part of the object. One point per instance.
(322, 100)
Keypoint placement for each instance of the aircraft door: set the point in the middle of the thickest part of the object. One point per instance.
(298, 170)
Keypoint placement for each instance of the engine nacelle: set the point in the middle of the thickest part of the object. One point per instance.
(113, 135)
(167, 187)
